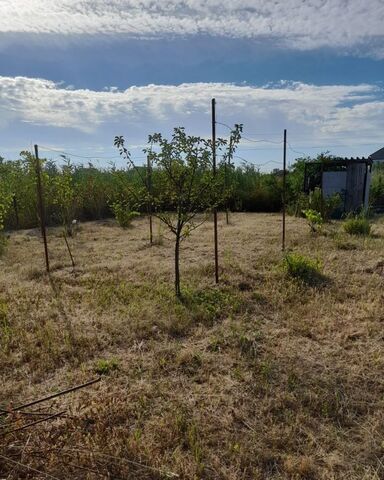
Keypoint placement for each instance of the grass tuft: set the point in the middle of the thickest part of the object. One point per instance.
(302, 268)
(106, 367)
(357, 226)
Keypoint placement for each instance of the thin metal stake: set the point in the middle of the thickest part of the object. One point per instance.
(149, 187)
(284, 186)
(41, 205)
(214, 174)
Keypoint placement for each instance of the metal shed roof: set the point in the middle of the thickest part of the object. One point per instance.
(379, 155)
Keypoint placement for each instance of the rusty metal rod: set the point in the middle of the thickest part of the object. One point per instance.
(214, 174)
(284, 187)
(149, 188)
(15, 462)
(50, 397)
(40, 202)
(32, 423)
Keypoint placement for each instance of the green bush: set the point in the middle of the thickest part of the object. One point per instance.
(3, 243)
(302, 268)
(123, 214)
(376, 195)
(357, 225)
(314, 219)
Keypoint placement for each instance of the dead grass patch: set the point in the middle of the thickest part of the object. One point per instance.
(261, 377)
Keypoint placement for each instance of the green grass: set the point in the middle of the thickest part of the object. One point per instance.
(105, 367)
(357, 226)
(303, 268)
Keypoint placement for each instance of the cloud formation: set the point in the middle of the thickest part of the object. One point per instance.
(302, 107)
(345, 24)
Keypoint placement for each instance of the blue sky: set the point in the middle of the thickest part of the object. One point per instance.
(74, 74)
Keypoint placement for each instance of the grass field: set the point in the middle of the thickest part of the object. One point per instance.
(263, 377)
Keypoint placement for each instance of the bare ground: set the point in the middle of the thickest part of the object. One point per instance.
(263, 377)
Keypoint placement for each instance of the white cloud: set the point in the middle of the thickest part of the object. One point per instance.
(310, 110)
(299, 24)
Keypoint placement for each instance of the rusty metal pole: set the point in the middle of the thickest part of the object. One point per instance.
(284, 186)
(40, 203)
(214, 174)
(16, 210)
(149, 187)
(227, 167)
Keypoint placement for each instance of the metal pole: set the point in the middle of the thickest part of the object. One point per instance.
(226, 180)
(50, 397)
(284, 185)
(15, 207)
(321, 190)
(149, 186)
(214, 174)
(41, 205)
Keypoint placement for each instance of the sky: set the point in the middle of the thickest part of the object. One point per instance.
(73, 74)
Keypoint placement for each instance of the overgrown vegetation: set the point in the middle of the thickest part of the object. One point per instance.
(357, 225)
(377, 186)
(123, 213)
(85, 192)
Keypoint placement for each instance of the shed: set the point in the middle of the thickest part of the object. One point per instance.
(349, 177)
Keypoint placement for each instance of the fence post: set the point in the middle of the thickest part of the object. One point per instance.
(284, 186)
(227, 166)
(214, 174)
(40, 202)
(16, 210)
(149, 188)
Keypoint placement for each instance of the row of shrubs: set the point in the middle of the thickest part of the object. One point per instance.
(92, 193)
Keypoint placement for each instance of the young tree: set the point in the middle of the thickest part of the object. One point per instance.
(5, 195)
(65, 195)
(229, 167)
(183, 184)
(5, 202)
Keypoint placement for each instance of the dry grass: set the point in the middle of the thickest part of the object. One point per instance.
(263, 377)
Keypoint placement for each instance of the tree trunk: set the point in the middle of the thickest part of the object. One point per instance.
(177, 265)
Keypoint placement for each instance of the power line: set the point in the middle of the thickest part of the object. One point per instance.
(261, 141)
(251, 139)
(257, 164)
(86, 157)
(295, 151)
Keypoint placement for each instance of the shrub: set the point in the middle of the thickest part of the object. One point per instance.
(358, 225)
(314, 219)
(3, 243)
(302, 268)
(123, 214)
(5, 329)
